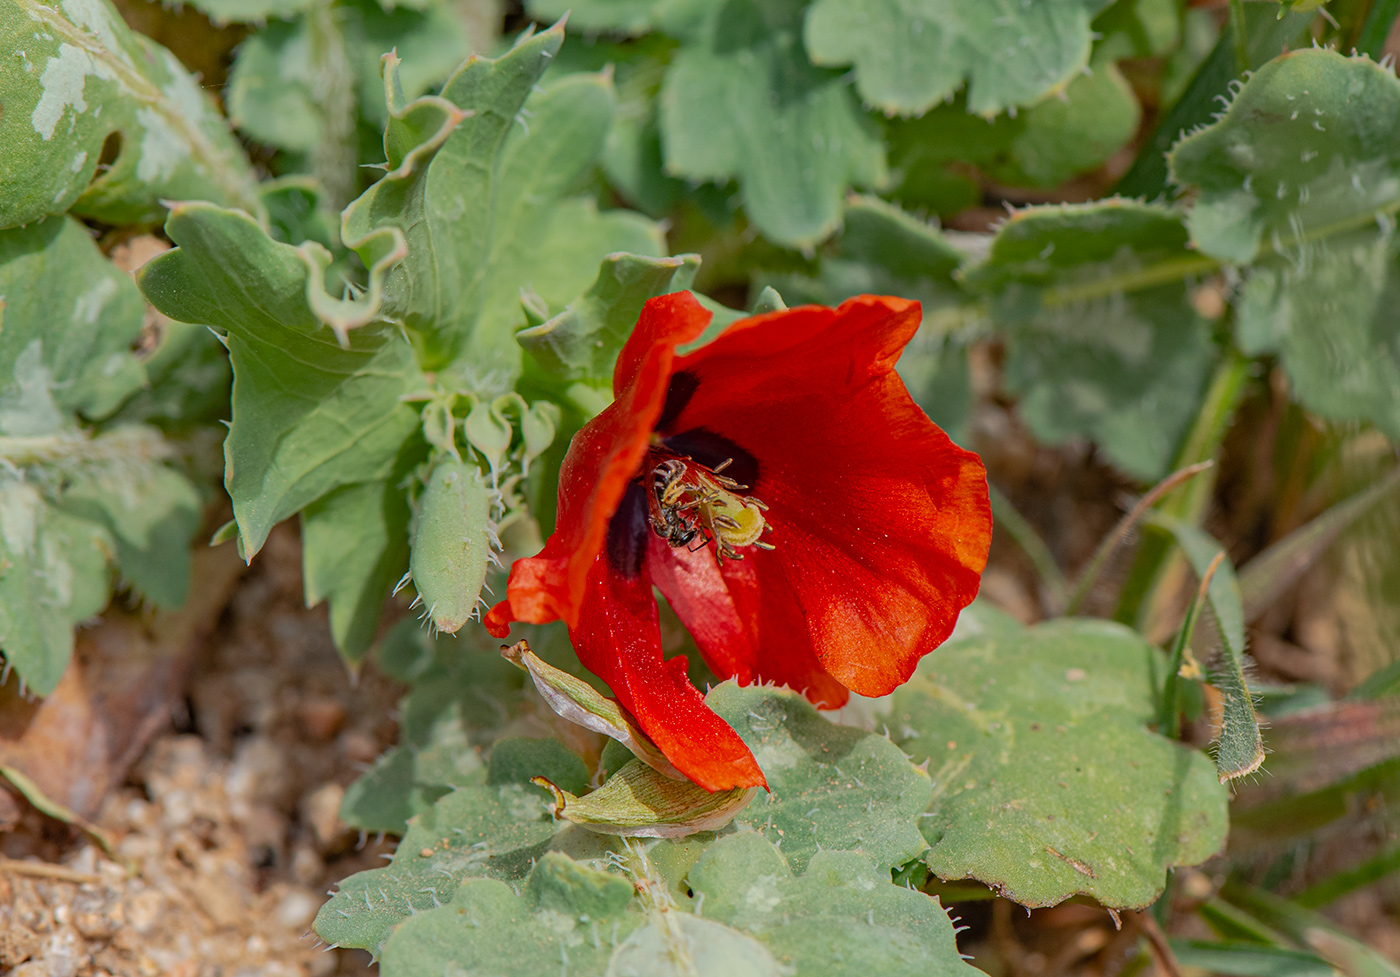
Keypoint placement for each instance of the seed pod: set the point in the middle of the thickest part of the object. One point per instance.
(452, 543)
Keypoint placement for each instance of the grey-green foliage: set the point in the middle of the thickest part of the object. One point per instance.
(1047, 781)
(742, 101)
(276, 80)
(908, 57)
(486, 212)
(328, 415)
(79, 85)
(74, 500)
(309, 415)
(749, 916)
(1041, 146)
(1102, 339)
(830, 786)
(463, 695)
(582, 342)
(1300, 180)
(492, 829)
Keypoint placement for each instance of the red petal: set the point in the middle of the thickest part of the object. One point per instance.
(881, 523)
(603, 457)
(618, 638)
(734, 612)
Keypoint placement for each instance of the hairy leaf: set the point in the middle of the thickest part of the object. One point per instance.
(1102, 339)
(1294, 178)
(911, 55)
(491, 830)
(839, 918)
(1042, 735)
(82, 89)
(1239, 748)
(830, 787)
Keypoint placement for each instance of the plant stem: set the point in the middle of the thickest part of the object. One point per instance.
(1241, 36)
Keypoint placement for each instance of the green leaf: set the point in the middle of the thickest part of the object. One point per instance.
(910, 56)
(745, 103)
(274, 85)
(478, 831)
(1292, 178)
(354, 548)
(485, 211)
(1103, 341)
(53, 571)
(840, 918)
(582, 342)
(309, 415)
(71, 318)
(152, 513)
(1239, 748)
(1044, 734)
(82, 89)
(463, 693)
(831, 787)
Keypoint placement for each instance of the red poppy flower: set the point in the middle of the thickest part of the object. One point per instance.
(805, 519)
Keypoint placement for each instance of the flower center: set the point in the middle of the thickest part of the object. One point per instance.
(690, 504)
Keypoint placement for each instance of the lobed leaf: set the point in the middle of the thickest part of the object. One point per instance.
(1047, 782)
(82, 91)
(309, 415)
(493, 830)
(582, 342)
(743, 102)
(911, 55)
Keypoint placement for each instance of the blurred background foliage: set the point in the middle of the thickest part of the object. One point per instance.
(1098, 314)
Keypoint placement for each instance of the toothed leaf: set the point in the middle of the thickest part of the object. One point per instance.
(309, 415)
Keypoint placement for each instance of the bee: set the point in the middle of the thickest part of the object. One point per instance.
(671, 505)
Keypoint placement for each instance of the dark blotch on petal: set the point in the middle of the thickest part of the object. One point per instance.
(627, 533)
(678, 394)
(711, 449)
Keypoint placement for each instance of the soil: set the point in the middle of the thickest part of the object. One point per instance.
(226, 834)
